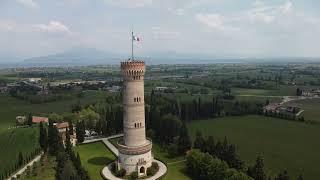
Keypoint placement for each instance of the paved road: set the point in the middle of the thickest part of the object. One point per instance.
(106, 141)
(37, 158)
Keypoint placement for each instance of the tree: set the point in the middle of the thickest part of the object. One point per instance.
(80, 131)
(89, 117)
(210, 145)
(55, 117)
(70, 127)
(43, 137)
(68, 143)
(257, 171)
(199, 142)
(203, 166)
(300, 177)
(54, 140)
(20, 159)
(184, 142)
(29, 120)
(169, 128)
(283, 176)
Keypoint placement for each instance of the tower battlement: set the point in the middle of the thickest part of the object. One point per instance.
(133, 68)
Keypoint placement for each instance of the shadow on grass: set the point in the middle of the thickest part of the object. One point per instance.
(99, 160)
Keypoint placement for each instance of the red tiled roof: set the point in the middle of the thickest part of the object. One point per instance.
(36, 119)
(62, 125)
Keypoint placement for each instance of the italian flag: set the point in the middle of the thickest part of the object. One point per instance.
(135, 38)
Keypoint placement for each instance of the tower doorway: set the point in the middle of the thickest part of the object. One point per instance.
(142, 170)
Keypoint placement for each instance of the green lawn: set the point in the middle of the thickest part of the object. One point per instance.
(284, 144)
(311, 107)
(176, 171)
(94, 157)
(23, 140)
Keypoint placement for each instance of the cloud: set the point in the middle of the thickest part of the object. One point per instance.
(178, 12)
(268, 14)
(129, 3)
(164, 34)
(215, 21)
(53, 27)
(7, 26)
(28, 3)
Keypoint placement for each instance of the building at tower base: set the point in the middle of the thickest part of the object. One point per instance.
(134, 149)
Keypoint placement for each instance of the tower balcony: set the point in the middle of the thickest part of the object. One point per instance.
(134, 150)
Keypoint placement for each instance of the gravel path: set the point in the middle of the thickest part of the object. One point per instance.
(37, 158)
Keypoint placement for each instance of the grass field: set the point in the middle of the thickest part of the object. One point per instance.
(94, 157)
(280, 91)
(284, 144)
(176, 165)
(23, 140)
(311, 107)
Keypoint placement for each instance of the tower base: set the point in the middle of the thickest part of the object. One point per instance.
(135, 159)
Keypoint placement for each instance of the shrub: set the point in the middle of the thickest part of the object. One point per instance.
(121, 173)
(113, 167)
(134, 175)
(151, 171)
(155, 165)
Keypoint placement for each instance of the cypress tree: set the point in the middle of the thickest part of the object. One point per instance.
(199, 142)
(184, 142)
(70, 127)
(29, 120)
(80, 131)
(68, 143)
(20, 159)
(210, 145)
(300, 177)
(257, 171)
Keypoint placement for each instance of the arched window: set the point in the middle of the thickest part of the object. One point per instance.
(135, 125)
(135, 99)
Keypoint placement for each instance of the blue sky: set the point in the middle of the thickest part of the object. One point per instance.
(253, 28)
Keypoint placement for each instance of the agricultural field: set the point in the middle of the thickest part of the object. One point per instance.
(94, 157)
(283, 144)
(311, 108)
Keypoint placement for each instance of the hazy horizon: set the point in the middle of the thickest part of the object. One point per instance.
(212, 28)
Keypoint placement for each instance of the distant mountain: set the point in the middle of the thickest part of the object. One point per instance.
(76, 56)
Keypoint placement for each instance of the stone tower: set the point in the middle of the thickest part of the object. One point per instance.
(135, 148)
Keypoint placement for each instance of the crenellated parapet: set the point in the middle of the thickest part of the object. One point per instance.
(133, 68)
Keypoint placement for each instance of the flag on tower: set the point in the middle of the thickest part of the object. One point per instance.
(136, 38)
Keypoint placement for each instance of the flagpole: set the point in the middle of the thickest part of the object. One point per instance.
(132, 58)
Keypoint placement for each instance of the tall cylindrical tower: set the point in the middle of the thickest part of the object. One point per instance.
(133, 103)
(135, 148)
